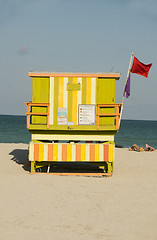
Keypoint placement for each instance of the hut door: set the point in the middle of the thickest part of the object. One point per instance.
(40, 94)
(106, 94)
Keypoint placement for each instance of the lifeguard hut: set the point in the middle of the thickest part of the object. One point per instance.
(73, 117)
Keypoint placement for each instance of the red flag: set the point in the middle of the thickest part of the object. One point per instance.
(140, 68)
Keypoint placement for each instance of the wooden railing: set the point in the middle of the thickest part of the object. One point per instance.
(116, 106)
(29, 112)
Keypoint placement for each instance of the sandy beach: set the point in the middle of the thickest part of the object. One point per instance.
(78, 207)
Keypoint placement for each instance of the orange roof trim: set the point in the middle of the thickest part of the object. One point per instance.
(47, 74)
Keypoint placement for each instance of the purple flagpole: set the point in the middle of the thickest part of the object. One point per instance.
(128, 74)
(127, 89)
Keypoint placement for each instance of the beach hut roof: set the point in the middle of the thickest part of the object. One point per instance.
(61, 74)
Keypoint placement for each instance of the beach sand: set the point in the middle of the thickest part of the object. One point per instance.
(35, 207)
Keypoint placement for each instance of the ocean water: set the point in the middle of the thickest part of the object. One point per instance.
(13, 130)
(137, 131)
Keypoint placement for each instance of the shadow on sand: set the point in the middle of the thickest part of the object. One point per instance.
(20, 156)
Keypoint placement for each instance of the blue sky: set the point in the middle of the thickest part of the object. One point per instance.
(78, 36)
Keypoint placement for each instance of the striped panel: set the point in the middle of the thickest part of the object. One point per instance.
(88, 91)
(55, 152)
(51, 100)
(96, 157)
(83, 152)
(106, 152)
(59, 153)
(36, 152)
(87, 153)
(93, 90)
(74, 103)
(65, 93)
(70, 80)
(64, 152)
(71, 152)
(60, 95)
(56, 91)
(110, 153)
(84, 90)
(92, 153)
(79, 96)
(41, 152)
(50, 152)
(101, 152)
(78, 152)
(31, 151)
(45, 154)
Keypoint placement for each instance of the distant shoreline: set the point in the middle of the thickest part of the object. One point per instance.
(13, 130)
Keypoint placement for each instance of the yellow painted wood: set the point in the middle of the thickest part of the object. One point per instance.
(88, 91)
(111, 146)
(83, 90)
(60, 95)
(106, 94)
(71, 154)
(40, 94)
(55, 152)
(73, 87)
(41, 151)
(74, 137)
(65, 93)
(74, 103)
(93, 90)
(68, 152)
(106, 129)
(32, 166)
(83, 152)
(97, 152)
(56, 90)
(79, 96)
(89, 87)
(51, 99)
(70, 81)
(109, 165)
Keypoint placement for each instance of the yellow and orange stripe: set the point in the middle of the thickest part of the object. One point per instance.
(62, 152)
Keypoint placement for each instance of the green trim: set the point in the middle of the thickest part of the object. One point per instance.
(33, 166)
(73, 87)
(73, 127)
(84, 90)
(110, 167)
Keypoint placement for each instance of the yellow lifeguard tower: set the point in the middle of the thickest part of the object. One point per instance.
(73, 117)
